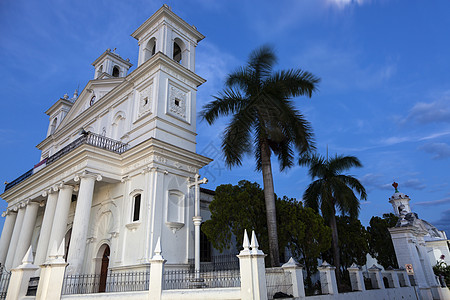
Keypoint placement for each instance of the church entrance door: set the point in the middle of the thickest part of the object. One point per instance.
(104, 270)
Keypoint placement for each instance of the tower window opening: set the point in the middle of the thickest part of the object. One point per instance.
(137, 207)
(177, 102)
(176, 52)
(116, 71)
(154, 49)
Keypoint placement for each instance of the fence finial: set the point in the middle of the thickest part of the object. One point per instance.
(255, 244)
(246, 243)
(158, 250)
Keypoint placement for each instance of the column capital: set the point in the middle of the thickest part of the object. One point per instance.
(63, 186)
(86, 174)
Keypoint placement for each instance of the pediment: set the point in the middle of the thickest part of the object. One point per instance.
(91, 94)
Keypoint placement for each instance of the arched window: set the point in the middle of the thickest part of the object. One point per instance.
(136, 207)
(150, 49)
(53, 126)
(100, 71)
(116, 71)
(177, 53)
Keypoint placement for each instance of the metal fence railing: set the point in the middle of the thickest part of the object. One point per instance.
(114, 282)
(188, 279)
(218, 263)
(4, 282)
(278, 281)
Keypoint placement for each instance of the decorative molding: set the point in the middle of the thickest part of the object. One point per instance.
(133, 226)
(174, 226)
(177, 102)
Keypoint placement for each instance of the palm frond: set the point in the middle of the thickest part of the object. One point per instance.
(228, 102)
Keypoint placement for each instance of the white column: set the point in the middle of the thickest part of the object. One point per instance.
(7, 232)
(61, 216)
(46, 227)
(197, 219)
(15, 237)
(26, 233)
(197, 222)
(81, 222)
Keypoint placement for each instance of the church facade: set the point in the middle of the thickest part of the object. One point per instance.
(119, 167)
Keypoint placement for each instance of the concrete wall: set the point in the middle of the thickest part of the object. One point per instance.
(403, 293)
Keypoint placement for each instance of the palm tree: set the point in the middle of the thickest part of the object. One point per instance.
(264, 121)
(333, 190)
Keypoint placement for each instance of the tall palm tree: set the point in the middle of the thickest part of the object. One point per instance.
(264, 121)
(333, 190)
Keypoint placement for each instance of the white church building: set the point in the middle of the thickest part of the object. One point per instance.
(118, 167)
(117, 191)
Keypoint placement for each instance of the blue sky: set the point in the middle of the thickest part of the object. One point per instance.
(384, 95)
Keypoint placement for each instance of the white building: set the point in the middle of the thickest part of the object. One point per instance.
(418, 245)
(119, 164)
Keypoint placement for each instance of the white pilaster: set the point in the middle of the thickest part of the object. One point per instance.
(197, 222)
(26, 232)
(46, 228)
(61, 216)
(15, 237)
(77, 247)
(7, 232)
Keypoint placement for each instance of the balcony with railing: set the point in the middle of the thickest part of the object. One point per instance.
(87, 138)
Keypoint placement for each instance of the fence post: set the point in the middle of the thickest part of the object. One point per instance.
(356, 278)
(376, 278)
(52, 274)
(328, 278)
(392, 278)
(252, 269)
(156, 273)
(296, 270)
(404, 281)
(20, 277)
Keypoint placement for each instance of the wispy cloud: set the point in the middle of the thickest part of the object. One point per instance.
(434, 202)
(431, 112)
(439, 150)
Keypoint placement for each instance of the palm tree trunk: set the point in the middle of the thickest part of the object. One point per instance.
(335, 244)
(271, 213)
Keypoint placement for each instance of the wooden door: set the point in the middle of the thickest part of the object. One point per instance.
(104, 270)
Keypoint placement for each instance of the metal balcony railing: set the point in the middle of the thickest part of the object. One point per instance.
(88, 138)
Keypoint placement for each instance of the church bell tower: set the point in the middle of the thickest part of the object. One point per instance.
(168, 97)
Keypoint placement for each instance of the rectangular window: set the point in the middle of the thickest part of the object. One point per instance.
(137, 207)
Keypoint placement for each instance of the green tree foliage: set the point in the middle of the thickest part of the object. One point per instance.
(353, 241)
(242, 206)
(380, 243)
(264, 122)
(333, 191)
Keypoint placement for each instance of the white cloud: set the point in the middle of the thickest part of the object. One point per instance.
(345, 3)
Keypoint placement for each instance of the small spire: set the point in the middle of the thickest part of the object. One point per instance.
(395, 185)
(158, 251)
(254, 244)
(28, 258)
(75, 94)
(245, 243)
(66, 96)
